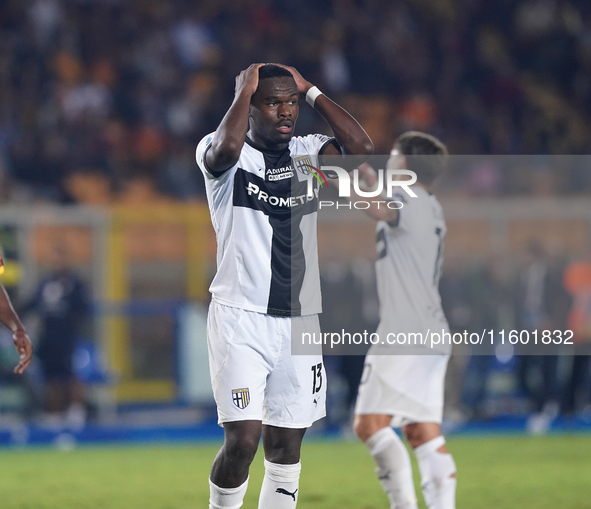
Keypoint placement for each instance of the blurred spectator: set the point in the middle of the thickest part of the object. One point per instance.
(577, 280)
(485, 178)
(349, 297)
(541, 304)
(488, 295)
(455, 302)
(105, 86)
(61, 302)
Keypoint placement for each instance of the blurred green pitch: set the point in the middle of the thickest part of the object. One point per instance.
(545, 473)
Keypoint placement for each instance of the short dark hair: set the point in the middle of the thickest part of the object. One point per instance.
(273, 71)
(425, 155)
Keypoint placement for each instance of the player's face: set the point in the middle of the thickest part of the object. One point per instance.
(274, 110)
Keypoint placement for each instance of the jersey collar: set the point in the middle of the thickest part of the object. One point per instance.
(265, 149)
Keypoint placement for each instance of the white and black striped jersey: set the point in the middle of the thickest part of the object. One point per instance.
(265, 225)
(410, 257)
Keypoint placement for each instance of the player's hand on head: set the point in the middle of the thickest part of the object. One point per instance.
(25, 350)
(248, 79)
(301, 83)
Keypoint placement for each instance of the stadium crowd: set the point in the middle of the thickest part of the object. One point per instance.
(541, 292)
(105, 100)
(118, 91)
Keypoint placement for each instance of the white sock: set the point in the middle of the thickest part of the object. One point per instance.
(393, 468)
(437, 469)
(280, 486)
(226, 498)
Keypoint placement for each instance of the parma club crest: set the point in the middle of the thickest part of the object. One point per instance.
(304, 167)
(241, 398)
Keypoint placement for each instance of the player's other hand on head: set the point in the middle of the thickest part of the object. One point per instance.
(301, 83)
(248, 79)
(25, 350)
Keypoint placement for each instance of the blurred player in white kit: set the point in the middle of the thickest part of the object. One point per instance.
(406, 391)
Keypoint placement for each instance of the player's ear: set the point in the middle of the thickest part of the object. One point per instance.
(402, 165)
(396, 162)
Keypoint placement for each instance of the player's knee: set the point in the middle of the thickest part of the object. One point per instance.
(283, 455)
(359, 428)
(241, 452)
(415, 435)
(284, 452)
(365, 426)
(419, 433)
(283, 448)
(241, 447)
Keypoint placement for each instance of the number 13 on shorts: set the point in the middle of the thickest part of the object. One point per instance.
(317, 378)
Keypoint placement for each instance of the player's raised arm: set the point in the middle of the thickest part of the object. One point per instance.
(230, 135)
(10, 320)
(377, 209)
(350, 136)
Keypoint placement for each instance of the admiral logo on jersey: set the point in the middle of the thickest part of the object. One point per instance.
(274, 174)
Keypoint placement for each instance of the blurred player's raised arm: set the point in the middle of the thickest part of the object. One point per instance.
(230, 135)
(350, 136)
(377, 209)
(21, 340)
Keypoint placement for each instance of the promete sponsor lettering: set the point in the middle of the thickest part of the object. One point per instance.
(279, 201)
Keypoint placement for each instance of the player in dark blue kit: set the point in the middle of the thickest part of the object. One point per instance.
(61, 302)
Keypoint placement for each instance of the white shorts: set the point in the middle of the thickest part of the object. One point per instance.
(407, 387)
(255, 376)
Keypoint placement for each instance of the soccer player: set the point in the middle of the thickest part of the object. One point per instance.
(267, 283)
(407, 390)
(11, 321)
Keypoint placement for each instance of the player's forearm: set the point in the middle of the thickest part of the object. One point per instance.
(378, 207)
(347, 131)
(8, 316)
(230, 135)
(380, 211)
